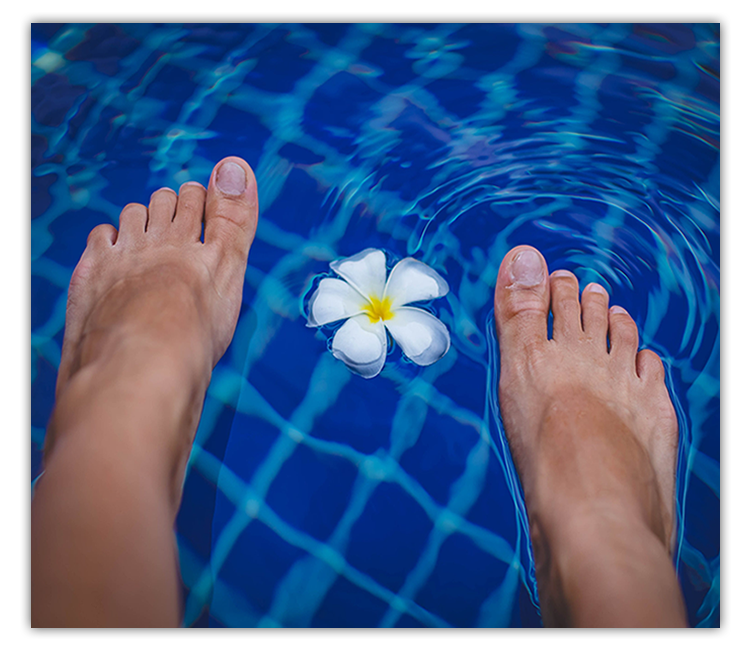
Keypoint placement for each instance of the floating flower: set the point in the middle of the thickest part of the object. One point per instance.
(371, 305)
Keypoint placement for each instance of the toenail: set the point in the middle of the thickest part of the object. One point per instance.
(193, 183)
(618, 310)
(163, 189)
(597, 288)
(231, 179)
(563, 272)
(527, 269)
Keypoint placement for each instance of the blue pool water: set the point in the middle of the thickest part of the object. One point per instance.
(315, 497)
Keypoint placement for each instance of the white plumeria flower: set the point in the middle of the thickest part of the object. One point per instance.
(370, 305)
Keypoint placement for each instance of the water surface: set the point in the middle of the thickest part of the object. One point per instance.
(315, 497)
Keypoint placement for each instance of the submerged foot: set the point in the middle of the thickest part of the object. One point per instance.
(591, 427)
(151, 307)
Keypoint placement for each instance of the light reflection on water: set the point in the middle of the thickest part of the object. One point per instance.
(314, 498)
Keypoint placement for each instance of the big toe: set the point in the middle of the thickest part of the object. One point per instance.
(231, 208)
(522, 299)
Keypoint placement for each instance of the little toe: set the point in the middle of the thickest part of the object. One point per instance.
(595, 314)
(102, 236)
(80, 296)
(231, 208)
(566, 308)
(522, 300)
(623, 338)
(188, 218)
(133, 220)
(649, 366)
(161, 211)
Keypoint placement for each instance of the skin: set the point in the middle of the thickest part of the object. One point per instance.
(151, 309)
(593, 435)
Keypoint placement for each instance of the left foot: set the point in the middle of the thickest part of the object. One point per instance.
(152, 308)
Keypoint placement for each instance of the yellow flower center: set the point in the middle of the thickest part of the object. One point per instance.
(378, 309)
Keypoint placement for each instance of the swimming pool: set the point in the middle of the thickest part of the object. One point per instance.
(315, 497)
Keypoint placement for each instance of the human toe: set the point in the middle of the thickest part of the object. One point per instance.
(102, 236)
(522, 299)
(231, 212)
(161, 211)
(188, 218)
(623, 338)
(566, 308)
(649, 366)
(133, 219)
(595, 314)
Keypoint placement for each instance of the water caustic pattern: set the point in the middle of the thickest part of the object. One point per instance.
(315, 497)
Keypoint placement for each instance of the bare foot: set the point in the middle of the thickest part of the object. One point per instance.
(151, 309)
(592, 431)
(152, 305)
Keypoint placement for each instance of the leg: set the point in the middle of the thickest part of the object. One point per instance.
(151, 309)
(593, 435)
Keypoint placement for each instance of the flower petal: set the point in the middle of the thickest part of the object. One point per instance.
(412, 280)
(361, 345)
(365, 271)
(422, 337)
(333, 300)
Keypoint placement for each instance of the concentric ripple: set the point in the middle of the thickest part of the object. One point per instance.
(315, 498)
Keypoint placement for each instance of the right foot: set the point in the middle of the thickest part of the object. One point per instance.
(591, 427)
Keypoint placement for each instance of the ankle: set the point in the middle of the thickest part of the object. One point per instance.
(139, 402)
(133, 346)
(605, 569)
